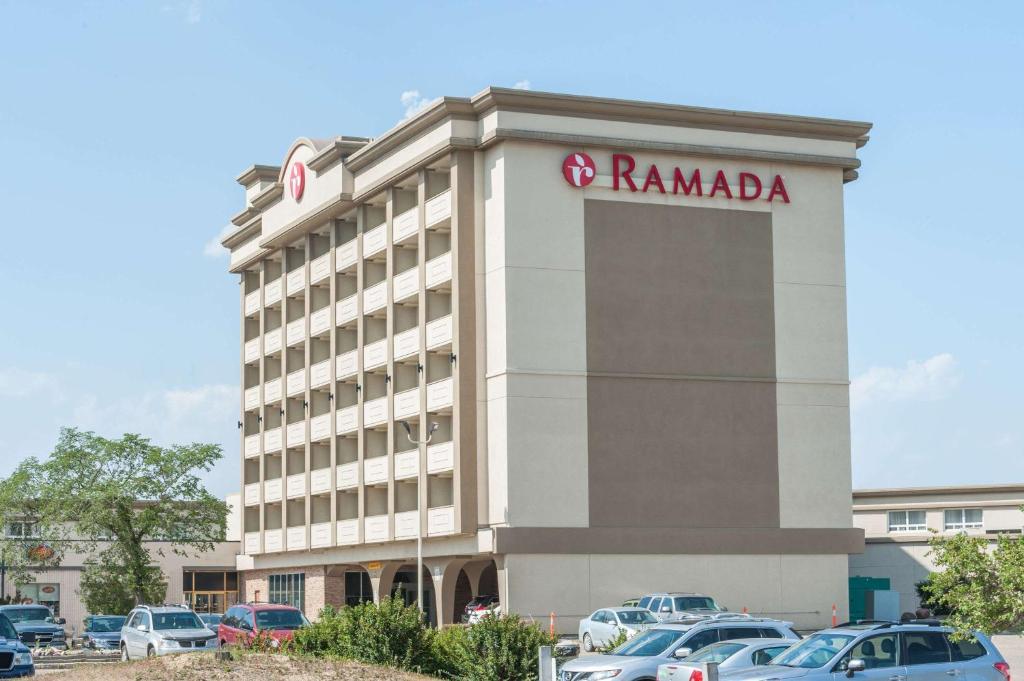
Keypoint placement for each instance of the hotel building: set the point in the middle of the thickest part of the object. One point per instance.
(628, 321)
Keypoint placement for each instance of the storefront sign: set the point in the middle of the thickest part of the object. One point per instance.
(297, 180)
(579, 170)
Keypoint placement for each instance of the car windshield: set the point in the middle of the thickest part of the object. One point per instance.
(813, 652)
(7, 629)
(636, 617)
(163, 621)
(716, 652)
(279, 619)
(210, 619)
(695, 603)
(18, 615)
(651, 642)
(105, 625)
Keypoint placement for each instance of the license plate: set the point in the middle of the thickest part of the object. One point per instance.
(200, 644)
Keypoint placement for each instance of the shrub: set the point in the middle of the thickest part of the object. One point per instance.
(498, 648)
(616, 641)
(261, 642)
(323, 638)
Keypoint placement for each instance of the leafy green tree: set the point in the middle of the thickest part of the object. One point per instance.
(110, 499)
(981, 586)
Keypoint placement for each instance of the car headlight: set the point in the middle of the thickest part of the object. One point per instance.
(604, 674)
(22, 659)
(168, 643)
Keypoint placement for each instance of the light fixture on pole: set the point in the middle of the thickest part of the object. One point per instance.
(421, 445)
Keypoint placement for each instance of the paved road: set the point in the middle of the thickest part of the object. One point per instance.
(1012, 648)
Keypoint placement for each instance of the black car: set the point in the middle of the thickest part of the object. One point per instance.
(36, 625)
(103, 632)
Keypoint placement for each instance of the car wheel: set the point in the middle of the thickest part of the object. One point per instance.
(588, 643)
(124, 653)
(150, 651)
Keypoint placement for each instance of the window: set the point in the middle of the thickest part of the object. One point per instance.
(695, 603)
(967, 649)
(925, 647)
(877, 652)
(769, 632)
(766, 655)
(907, 521)
(701, 639)
(644, 602)
(289, 589)
(732, 633)
(655, 605)
(22, 529)
(963, 519)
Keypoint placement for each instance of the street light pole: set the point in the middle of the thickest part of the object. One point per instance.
(420, 493)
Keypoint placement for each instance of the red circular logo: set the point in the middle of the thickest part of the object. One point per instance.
(297, 180)
(579, 169)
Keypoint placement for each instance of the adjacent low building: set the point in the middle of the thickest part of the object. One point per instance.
(627, 319)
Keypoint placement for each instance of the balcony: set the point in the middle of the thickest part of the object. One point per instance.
(375, 412)
(252, 350)
(439, 332)
(407, 284)
(440, 520)
(375, 240)
(346, 255)
(441, 458)
(272, 541)
(406, 524)
(272, 440)
(347, 365)
(252, 446)
(348, 531)
(272, 342)
(320, 322)
(375, 528)
(440, 394)
(375, 470)
(320, 481)
(296, 383)
(346, 310)
(252, 543)
(439, 208)
(296, 435)
(407, 465)
(319, 535)
(407, 343)
(272, 391)
(296, 485)
(439, 271)
(320, 374)
(375, 354)
(252, 397)
(348, 475)
(407, 403)
(405, 225)
(348, 419)
(296, 331)
(272, 293)
(252, 303)
(375, 297)
(297, 538)
(272, 490)
(297, 281)
(320, 268)
(252, 494)
(320, 427)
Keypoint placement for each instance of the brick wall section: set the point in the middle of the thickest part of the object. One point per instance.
(321, 588)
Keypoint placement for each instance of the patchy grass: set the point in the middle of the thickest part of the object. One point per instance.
(247, 667)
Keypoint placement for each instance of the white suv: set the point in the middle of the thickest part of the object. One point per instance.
(153, 630)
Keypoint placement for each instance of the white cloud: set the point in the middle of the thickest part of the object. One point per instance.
(413, 102)
(19, 383)
(931, 379)
(521, 85)
(212, 248)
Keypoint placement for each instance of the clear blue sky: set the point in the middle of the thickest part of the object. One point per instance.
(122, 126)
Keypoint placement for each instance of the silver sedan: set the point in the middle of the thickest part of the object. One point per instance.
(605, 624)
(741, 653)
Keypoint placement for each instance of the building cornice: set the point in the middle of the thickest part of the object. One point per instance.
(255, 173)
(268, 196)
(327, 210)
(339, 148)
(244, 233)
(942, 490)
(243, 216)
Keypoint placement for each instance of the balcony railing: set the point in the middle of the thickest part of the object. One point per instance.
(439, 208)
(320, 481)
(407, 343)
(272, 391)
(439, 332)
(439, 271)
(252, 543)
(375, 297)
(406, 284)
(375, 470)
(348, 475)
(407, 464)
(320, 321)
(407, 403)
(375, 354)
(375, 528)
(272, 440)
(296, 331)
(375, 240)
(348, 419)
(297, 538)
(320, 374)
(296, 434)
(252, 350)
(252, 303)
(252, 445)
(296, 281)
(406, 524)
(347, 364)
(272, 342)
(272, 293)
(252, 397)
(252, 494)
(319, 535)
(272, 541)
(346, 310)
(320, 427)
(441, 458)
(348, 531)
(296, 485)
(272, 490)
(320, 268)
(440, 520)
(375, 412)
(346, 255)
(296, 382)
(440, 394)
(405, 225)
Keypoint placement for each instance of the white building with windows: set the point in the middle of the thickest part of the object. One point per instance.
(898, 523)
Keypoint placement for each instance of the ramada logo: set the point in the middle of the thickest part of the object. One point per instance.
(579, 169)
(297, 180)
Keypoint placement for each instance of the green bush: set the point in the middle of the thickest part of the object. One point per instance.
(498, 648)
(323, 638)
(611, 644)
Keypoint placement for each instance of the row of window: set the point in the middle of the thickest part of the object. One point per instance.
(953, 519)
(918, 647)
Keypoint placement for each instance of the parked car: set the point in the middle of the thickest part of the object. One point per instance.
(103, 632)
(631, 603)
(668, 607)
(639, 658)
(604, 625)
(741, 653)
(211, 620)
(478, 614)
(884, 651)
(36, 625)
(153, 630)
(479, 603)
(15, 657)
(242, 622)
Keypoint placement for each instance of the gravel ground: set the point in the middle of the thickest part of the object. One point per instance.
(249, 668)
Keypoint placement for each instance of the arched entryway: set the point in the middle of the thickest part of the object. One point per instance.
(404, 586)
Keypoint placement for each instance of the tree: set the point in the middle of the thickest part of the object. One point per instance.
(981, 587)
(108, 499)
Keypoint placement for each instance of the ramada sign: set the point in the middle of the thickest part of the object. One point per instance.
(579, 170)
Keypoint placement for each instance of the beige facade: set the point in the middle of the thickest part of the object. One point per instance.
(898, 523)
(639, 376)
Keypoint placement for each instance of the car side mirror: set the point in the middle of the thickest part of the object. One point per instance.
(854, 666)
(61, 621)
(143, 628)
(681, 653)
(666, 609)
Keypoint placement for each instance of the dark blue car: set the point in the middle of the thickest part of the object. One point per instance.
(15, 657)
(36, 625)
(103, 632)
